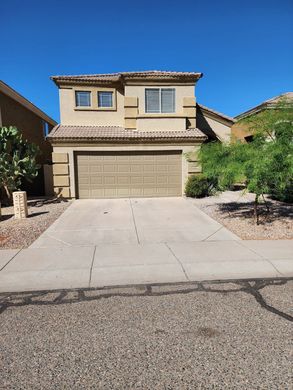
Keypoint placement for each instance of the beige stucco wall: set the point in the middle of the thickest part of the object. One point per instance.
(173, 121)
(158, 123)
(181, 91)
(205, 123)
(69, 151)
(69, 115)
(125, 115)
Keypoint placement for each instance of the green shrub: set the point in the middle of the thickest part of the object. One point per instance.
(198, 186)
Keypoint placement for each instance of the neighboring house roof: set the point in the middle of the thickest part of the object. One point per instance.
(8, 91)
(121, 77)
(270, 103)
(117, 133)
(216, 115)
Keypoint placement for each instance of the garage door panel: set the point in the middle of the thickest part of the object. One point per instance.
(123, 180)
(95, 168)
(123, 168)
(136, 168)
(110, 180)
(128, 174)
(149, 180)
(109, 168)
(162, 168)
(149, 168)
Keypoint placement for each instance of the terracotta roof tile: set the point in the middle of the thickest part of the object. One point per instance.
(116, 133)
(270, 103)
(115, 77)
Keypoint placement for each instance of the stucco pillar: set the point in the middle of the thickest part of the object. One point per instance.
(20, 204)
(61, 175)
(130, 112)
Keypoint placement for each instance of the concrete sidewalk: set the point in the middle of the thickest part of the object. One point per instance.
(124, 264)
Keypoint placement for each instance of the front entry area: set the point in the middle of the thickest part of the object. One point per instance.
(128, 174)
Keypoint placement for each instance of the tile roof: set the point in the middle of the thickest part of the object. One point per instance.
(124, 76)
(266, 104)
(117, 133)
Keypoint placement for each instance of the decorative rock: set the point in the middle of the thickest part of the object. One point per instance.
(20, 204)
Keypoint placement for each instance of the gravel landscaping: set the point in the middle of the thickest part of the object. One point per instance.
(193, 336)
(20, 233)
(234, 210)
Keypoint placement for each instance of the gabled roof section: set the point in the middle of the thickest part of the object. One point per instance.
(8, 91)
(123, 77)
(218, 116)
(270, 103)
(69, 133)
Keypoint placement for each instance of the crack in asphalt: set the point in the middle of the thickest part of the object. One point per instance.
(251, 287)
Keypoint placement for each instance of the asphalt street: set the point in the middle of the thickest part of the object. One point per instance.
(235, 335)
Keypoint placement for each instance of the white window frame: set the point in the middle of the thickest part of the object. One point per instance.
(160, 100)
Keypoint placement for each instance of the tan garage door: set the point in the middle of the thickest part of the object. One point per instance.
(128, 174)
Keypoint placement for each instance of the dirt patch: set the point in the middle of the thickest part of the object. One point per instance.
(234, 210)
(21, 233)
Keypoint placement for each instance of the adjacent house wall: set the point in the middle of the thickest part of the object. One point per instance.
(31, 126)
(239, 131)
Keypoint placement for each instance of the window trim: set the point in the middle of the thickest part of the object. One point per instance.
(94, 98)
(160, 101)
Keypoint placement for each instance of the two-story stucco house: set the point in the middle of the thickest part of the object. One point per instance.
(131, 134)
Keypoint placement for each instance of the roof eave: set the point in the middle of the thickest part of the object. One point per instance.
(217, 115)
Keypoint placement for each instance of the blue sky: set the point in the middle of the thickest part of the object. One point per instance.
(244, 48)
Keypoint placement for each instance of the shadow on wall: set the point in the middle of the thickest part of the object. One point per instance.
(203, 125)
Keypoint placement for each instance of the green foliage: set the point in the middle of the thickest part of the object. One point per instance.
(198, 186)
(265, 165)
(17, 159)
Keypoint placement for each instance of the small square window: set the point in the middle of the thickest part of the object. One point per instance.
(82, 99)
(105, 99)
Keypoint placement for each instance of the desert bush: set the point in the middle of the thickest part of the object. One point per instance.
(198, 186)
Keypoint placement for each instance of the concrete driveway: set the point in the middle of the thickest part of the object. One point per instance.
(98, 243)
(132, 221)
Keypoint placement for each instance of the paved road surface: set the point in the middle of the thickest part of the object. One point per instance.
(192, 336)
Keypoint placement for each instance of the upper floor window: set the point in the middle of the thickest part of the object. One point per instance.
(105, 99)
(82, 98)
(160, 100)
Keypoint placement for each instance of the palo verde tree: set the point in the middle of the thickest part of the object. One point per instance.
(17, 160)
(264, 165)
